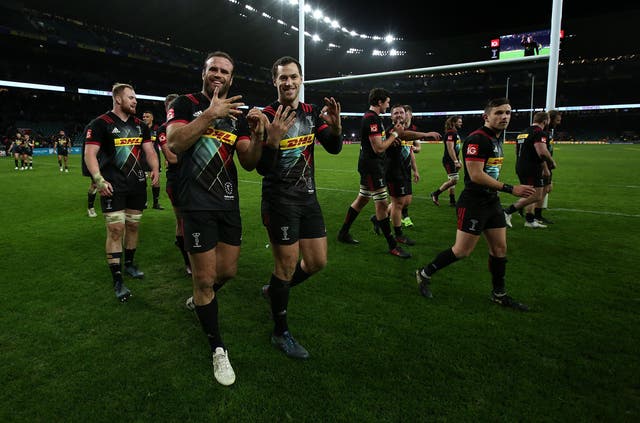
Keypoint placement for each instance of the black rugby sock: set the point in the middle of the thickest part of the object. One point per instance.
(498, 269)
(115, 268)
(180, 244)
(279, 294)
(443, 259)
(351, 216)
(208, 316)
(299, 276)
(385, 226)
(156, 194)
(128, 256)
(91, 199)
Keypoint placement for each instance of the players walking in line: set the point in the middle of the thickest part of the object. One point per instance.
(111, 156)
(532, 153)
(450, 160)
(206, 129)
(291, 212)
(172, 180)
(147, 118)
(479, 209)
(63, 144)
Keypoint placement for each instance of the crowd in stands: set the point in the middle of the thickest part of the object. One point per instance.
(74, 54)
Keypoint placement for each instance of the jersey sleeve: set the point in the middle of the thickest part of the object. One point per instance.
(96, 132)
(180, 110)
(331, 142)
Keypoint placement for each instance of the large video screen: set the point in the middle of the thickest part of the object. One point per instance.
(535, 43)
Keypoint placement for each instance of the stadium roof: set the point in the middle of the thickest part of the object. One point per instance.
(446, 33)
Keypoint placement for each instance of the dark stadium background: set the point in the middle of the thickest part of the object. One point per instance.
(158, 47)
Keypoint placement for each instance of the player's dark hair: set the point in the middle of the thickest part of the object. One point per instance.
(283, 61)
(378, 94)
(219, 53)
(496, 102)
(450, 123)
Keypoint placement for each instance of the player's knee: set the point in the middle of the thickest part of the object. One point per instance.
(132, 221)
(226, 274)
(315, 265)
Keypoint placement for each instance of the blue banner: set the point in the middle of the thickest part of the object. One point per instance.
(50, 151)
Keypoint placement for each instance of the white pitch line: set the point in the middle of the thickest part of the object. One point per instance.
(355, 190)
(606, 213)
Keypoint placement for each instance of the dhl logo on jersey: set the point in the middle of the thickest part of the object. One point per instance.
(495, 161)
(121, 142)
(220, 135)
(407, 143)
(296, 142)
(523, 136)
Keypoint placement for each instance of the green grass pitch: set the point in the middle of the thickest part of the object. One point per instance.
(379, 351)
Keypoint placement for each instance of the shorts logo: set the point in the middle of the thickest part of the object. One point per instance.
(474, 222)
(472, 150)
(373, 127)
(108, 205)
(228, 188)
(196, 240)
(285, 233)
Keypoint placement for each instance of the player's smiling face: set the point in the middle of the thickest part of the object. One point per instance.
(288, 82)
(398, 115)
(218, 72)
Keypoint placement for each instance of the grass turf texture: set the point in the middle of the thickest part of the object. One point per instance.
(379, 351)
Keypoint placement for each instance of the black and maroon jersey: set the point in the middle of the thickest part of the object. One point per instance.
(161, 139)
(289, 172)
(207, 175)
(120, 144)
(482, 145)
(369, 161)
(156, 146)
(528, 159)
(399, 161)
(451, 136)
